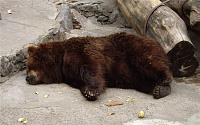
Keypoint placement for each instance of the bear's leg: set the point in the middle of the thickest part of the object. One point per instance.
(162, 80)
(158, 87)
(94, 83)
(156, 77)
(163, 87)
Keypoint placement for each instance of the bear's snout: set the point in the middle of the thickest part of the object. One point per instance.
(32, 77)
(28, 79)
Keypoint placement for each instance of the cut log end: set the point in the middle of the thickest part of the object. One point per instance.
(183, 61)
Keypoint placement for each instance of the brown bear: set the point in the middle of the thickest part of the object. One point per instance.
(93, 63)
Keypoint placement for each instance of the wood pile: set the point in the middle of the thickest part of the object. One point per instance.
(152, 18)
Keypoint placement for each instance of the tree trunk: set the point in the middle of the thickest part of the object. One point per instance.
(167, 28)
(188, 10)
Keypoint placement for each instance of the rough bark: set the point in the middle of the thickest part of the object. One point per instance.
(167, 28)
(188, 10)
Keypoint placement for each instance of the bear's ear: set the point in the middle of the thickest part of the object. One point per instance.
(31, 49)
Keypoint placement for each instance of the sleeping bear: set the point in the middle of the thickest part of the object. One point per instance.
(93, 63)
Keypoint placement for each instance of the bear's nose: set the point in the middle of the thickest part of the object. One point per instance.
(28, 79)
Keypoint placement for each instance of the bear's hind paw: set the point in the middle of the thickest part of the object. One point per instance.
(161, 91)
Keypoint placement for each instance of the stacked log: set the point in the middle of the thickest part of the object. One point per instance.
(188, 10)
(164, 25)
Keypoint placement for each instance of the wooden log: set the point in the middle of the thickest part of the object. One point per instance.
(167, 28)
(188, 10)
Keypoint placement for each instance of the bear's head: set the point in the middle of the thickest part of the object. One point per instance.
(34, 66)
(40, 66)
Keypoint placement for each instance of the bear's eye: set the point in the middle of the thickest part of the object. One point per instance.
(30, 68)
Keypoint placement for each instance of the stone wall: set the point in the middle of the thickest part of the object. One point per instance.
(105, 13)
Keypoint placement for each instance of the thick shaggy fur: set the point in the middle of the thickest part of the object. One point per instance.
(93, 63)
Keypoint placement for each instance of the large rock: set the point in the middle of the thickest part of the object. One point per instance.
(64, 18)
(105, 12)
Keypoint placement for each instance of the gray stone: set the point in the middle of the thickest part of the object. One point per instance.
(10, 67)
(5, 59)
(24, 52)
(102, 19)
(18, 53)
(15, 69)
(12, 58)
(6, 66)
(0, 16)
(114, 15)
(65, 17)
(21, 66)
(88, 7)
(4, 62)
(88, 14)
(4, 72)
(53, 35)
(105, 10)
(11, 64)
(19, 59)
(121, 22)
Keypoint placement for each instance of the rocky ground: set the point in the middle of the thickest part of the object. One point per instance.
(32, 22)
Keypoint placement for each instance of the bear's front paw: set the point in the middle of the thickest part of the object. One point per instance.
(91, 93)
(161, 91)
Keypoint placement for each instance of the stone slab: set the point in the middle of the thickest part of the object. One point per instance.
(28, 20)
(19, 100)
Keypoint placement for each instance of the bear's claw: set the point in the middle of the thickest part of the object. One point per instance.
(91, 93)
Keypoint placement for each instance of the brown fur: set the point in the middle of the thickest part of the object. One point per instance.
(92, 63)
